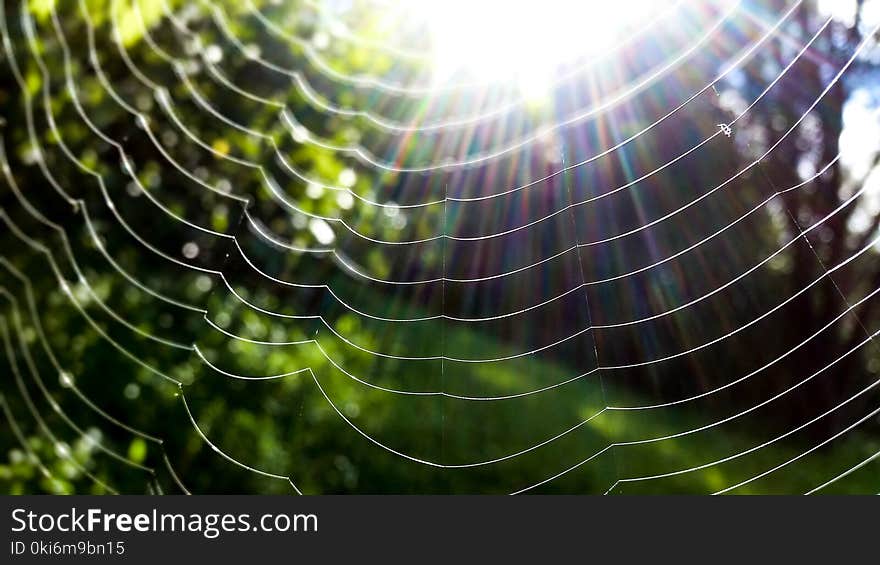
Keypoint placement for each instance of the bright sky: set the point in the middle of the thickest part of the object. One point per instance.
(524, 41)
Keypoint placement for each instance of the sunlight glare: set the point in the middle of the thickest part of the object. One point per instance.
(523, 42)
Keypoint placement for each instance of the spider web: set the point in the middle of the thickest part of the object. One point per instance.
(249, 249)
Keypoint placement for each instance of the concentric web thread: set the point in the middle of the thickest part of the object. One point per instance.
(238, 256)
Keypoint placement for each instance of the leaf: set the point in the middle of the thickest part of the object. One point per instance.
(137, 451)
